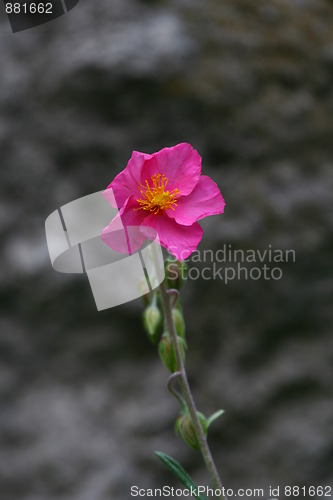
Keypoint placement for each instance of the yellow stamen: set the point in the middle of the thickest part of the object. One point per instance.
(155, 197)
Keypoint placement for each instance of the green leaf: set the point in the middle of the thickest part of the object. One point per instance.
(179, 472)
(213, 417)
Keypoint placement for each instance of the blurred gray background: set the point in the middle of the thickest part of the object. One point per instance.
(84, 403)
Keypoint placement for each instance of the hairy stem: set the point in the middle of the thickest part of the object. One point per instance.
(187, 394)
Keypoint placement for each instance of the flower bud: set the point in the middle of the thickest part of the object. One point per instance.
(185, 428)
(167, 351)
(153, 322)
(175, 272)
(179, 322)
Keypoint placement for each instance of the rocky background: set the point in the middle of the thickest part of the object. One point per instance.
(249, 84)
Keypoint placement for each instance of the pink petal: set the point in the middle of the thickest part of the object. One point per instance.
(126, 183)
(205, 200)
(123, 233)
(181, 164)
(180, 240)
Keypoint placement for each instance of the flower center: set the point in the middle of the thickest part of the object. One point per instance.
(155, 197)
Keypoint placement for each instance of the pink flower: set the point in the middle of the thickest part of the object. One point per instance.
(164, 191)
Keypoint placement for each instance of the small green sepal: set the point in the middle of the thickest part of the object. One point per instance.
(214, 417)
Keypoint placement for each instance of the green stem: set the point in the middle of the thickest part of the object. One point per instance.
(184, 385)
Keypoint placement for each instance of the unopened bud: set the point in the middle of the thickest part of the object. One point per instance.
(185, 428)
(175, 272)
(179, 322)
(153, 322)
(167, 352)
